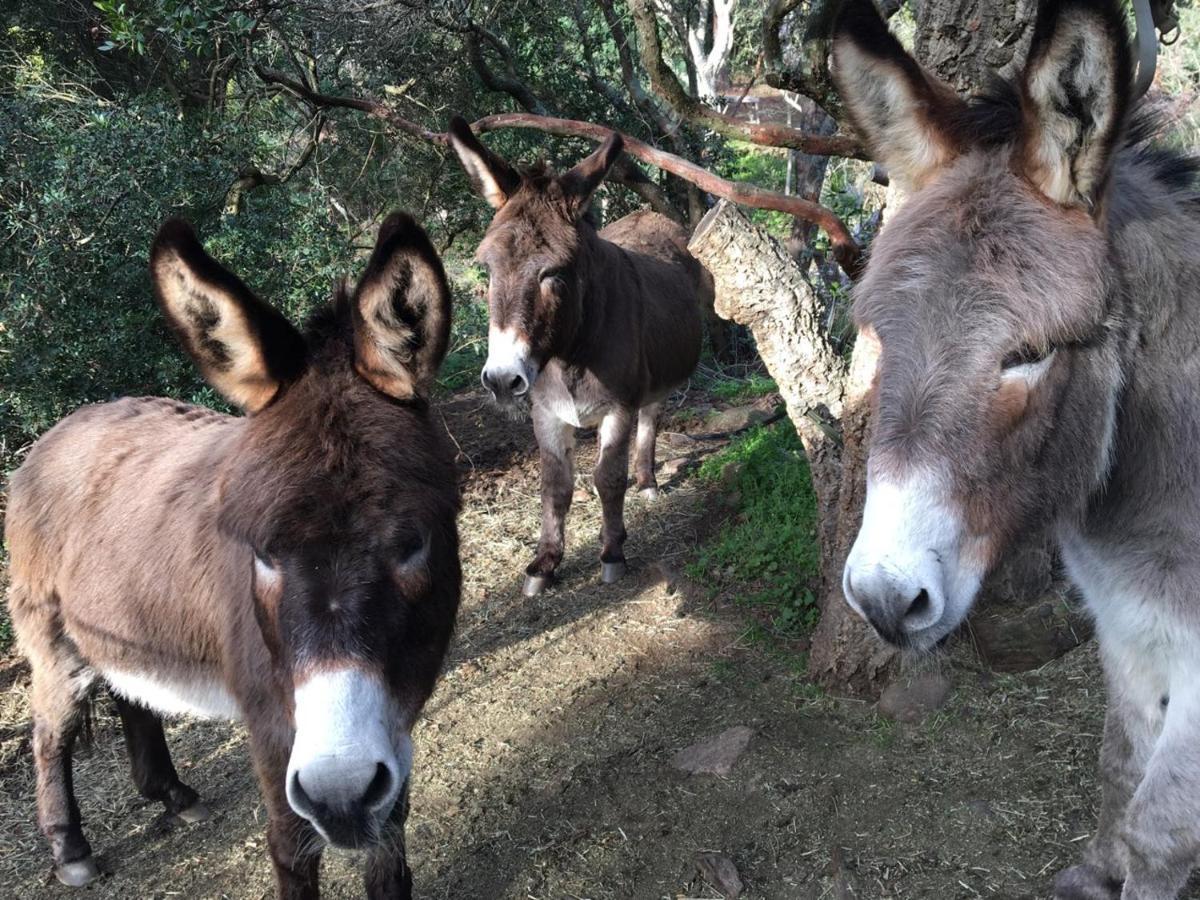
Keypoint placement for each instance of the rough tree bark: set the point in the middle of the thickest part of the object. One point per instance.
(965, 41)
(760, 285)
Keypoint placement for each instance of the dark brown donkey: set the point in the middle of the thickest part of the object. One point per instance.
(296, 568)
(586, 328)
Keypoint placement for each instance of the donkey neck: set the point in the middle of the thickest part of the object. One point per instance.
(604, 274)
(1154, 229)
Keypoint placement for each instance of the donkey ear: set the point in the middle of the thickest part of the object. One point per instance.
(401, 311)
(495, 179)
(900, 110)
(243, 347)
(581, 182)
(1076, 93)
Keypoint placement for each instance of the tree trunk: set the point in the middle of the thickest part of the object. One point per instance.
(964, 41)
(759, 285)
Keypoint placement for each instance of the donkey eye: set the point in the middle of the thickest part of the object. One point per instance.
(1026, 355)
(412, 551)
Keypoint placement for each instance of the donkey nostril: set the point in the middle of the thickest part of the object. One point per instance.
(299, 798)
(518, 385)
(919, 606)
(379, 788)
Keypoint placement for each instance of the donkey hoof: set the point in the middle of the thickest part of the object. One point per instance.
(649, 494)
(1085, 882)
(612, 571)
(535, 584)
(197, 812)
(77, 873)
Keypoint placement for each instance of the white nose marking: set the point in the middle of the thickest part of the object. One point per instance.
(508, 361)
(350, 748)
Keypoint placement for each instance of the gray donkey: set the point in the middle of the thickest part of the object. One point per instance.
(1036, 306)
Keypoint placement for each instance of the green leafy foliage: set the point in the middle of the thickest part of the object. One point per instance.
(769, 553)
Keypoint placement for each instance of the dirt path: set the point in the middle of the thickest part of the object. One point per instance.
(543, 762)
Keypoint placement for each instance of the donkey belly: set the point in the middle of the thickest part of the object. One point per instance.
(203, 694)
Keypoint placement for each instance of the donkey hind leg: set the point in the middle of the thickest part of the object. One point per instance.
(61, 684)
(556, 451)
(1162, 823)
(643, 454)
(612, 478)
(1128, 741)
(388, 876)
(150, 763)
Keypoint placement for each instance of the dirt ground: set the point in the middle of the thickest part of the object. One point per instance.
(543, 763)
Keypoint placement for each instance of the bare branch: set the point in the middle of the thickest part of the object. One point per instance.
(845, 248)
(665, 84)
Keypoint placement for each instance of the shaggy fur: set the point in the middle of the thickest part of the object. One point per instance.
(1036, 303)
(204, 562)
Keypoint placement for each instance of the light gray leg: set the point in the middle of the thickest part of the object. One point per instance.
(1129, 737)
(647, 431)
(1162, 823)
(556, 449)
(612, 478)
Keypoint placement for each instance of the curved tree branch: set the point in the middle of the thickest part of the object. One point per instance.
(665, 84)
(845, 248)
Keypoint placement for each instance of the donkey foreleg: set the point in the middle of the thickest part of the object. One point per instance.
(556, 451)
(388, 876)
(293, 844)
(1128, 741)
(612, 479)
(643, 454)
(150, 763)
(1162, 822)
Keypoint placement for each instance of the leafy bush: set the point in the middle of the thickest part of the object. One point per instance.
(769, 551)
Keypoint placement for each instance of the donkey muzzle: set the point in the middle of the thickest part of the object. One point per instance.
(907, 574)
(510, 370)
(350, 758)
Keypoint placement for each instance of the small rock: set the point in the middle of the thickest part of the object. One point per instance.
(719, 871)
(678, 439)
(1020, 638)
(581, 495)
(715, 755)
(673, 467)
(912, 699)
(738, 418)
(667, 575)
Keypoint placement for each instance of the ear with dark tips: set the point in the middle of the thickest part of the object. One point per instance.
(495, 179)
(581, 182)
(902, 112)
(401, 311)
(243, 348)
(1076, 90)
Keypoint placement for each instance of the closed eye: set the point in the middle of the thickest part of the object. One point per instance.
(412, 553)
(1027, 362)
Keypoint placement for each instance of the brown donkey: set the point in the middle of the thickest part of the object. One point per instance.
(1037, 304)
(585, 328)
(296, 568)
